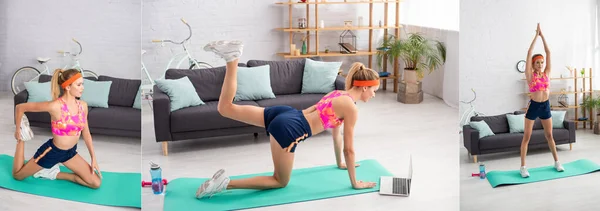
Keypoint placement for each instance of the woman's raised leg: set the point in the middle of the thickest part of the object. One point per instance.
(231, 52)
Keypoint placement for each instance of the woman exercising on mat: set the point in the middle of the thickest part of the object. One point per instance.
(68, 121)
(539, 105)
(289, 127)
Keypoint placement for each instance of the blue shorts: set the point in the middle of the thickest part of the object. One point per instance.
(49, 155)
(538, 109)
(287, 125)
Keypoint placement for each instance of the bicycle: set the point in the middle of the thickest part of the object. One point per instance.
(471, 112)
(29, 73)
(192, 62)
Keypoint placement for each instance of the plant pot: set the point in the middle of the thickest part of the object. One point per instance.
(410, 76)
(597, 127)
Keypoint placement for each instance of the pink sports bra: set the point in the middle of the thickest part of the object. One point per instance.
(538, 83)
(325, 110)
(69, 125)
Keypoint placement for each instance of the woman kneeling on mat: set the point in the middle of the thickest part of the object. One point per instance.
(539, 105)
(68, 122)
(289, 127)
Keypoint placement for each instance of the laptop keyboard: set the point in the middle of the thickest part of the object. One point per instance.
(401, 186)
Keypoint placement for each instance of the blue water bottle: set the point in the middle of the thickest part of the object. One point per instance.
(156, 173)
(481, 170)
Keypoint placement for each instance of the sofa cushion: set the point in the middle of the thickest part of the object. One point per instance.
(507, 140)
(122, 91)
(207, 82)
(96, 93)
(38, 92)
(516, 123)
(181, 92)
(286, 76)
(498, 123)
(297, 101)
(482, 127)
(253, 83)
(319, 77)
(204, 117)
(115, 117)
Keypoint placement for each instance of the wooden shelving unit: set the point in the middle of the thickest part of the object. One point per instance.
(312, 29)
(586, 91)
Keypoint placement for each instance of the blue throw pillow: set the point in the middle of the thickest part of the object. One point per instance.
(95, 93)
(558, 118)
(137, 103)
(38, 92)
(319, 77)
(516, 123)
(254, 83)
(181, 92)
(483, 128)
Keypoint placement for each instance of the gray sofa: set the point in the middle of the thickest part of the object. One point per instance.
(119, 119)
(505, 141)
(205, 121)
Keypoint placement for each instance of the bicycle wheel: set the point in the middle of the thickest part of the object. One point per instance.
(88, 73)
(22, 75)
(202, 65)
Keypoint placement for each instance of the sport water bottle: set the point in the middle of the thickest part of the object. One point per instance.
(155, 172)
(481, 170)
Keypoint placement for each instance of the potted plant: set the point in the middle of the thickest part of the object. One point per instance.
(416, 51)
(594, 104)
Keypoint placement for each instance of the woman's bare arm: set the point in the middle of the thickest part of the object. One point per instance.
(548, 60)
(20, 109)
(350, 116)
(528, 63)
(87, 136)
(337, 145)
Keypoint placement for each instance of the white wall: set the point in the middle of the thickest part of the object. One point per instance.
(108, 30)
(495, 35)
(427, 13)
(254, 22)
(2, 36)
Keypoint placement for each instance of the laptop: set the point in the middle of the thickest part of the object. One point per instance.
(396, 186)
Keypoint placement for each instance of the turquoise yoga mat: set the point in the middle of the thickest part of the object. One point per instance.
(117, 189)
(305, 185)
(575, 168)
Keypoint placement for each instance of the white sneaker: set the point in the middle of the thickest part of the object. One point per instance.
(26, 133)
(48, 173)
(558, 166)
(524, 172)
(228, 50)
(214, 185)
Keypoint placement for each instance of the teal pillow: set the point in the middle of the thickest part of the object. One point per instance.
(516, 123)
(181, 92)
(558, 117)
(95, 93)
(319, 77)
(38, 92)
(483, 128)
(137, 103)
(254, 83)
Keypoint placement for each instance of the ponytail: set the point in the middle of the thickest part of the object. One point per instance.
(358, 71)
(55, 87)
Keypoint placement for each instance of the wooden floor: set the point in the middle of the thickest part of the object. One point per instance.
(113, 153)
(572, 193)
(388, 131)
